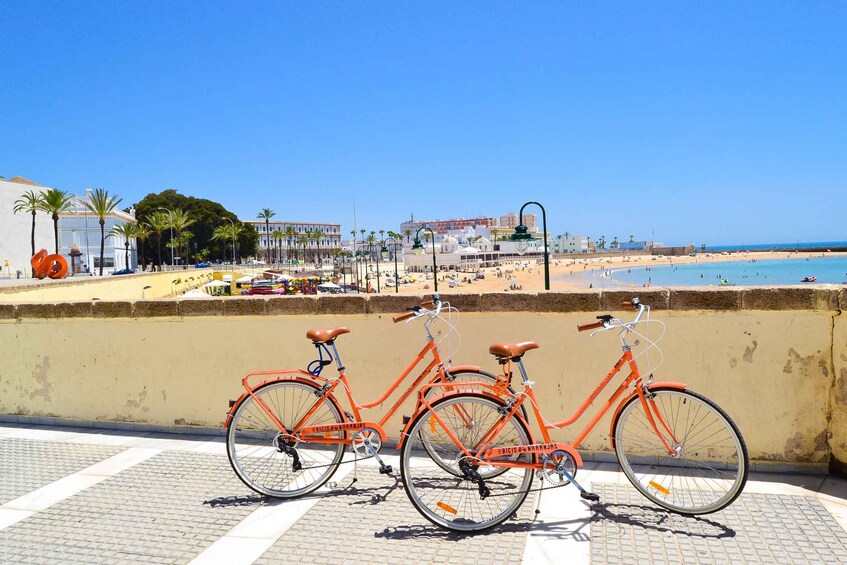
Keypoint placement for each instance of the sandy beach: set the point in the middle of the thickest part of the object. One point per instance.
(568, 273)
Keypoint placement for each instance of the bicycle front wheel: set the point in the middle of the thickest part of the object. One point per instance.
(482, 496)
(268, 461)
(706, 467)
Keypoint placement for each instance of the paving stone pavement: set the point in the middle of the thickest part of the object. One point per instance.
(28, 464)
(372, 521)
(756, 528)
(92, 496)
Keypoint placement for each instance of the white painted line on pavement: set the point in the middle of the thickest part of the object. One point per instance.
(256, 533)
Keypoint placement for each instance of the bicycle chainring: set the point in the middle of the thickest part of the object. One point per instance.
(554, 464)
(364, 440)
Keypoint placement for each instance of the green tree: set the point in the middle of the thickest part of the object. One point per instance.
(180, 221)
(30, 202)
(142, 234)
(303, 241)
(100, 204)
(159, 222)
(126, 232)
(207, 214)
(266, 214)
(56, 202)
(290, 236)
(278, 235)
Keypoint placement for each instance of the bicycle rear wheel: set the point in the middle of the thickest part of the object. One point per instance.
(463, 379)
(708, 467)
(455, 502)
(266, 460)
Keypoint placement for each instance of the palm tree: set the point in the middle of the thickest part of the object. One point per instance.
(179, 222)
(303, 241)
(56, 202)
(266, 214)
(290, 235)
(601, 243)
(30, 202)
(315, 236)
(408, 234)
(278, 235)
(142, 233)
(159, 222)
(100, 203)
(224, 235)
(614, 242)
(126, 232)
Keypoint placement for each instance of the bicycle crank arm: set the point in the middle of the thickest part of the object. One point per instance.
(582, 492)
(383, 468)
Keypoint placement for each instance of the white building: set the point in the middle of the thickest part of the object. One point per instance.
(76, 227)
(81, 228)
(330, 239)
(570, 244)
(16, 229)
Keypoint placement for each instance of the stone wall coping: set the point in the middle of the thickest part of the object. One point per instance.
(818, 298)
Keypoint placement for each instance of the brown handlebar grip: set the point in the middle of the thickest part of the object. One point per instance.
(429, 304)
(627, 305)
(402, 317)
(591, 326)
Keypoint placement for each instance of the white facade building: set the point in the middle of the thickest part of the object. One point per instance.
(16, 229)
(570, 244)
(81, 228)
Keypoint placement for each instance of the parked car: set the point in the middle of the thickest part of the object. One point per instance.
(124, 272)
(202, 265)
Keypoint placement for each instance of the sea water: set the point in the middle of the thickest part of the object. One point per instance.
(748, 272)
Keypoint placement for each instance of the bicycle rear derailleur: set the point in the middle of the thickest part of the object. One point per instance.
(285, 444)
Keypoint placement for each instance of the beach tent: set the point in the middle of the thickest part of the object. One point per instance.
(214, 284)
(328, 285)
(244, 279)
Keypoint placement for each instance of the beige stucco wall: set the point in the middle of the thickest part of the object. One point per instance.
(780, 374)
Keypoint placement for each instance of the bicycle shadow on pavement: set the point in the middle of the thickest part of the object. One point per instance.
(429, 532)
(651, 518)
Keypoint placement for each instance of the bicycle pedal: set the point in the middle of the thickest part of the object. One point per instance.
(386, 470)
(590, 496)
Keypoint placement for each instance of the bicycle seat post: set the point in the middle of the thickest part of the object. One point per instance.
(337, 356)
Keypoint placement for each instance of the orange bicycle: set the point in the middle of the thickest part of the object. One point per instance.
(678, 448)
(286, 435)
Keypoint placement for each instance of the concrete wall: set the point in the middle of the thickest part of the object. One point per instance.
(774, 359)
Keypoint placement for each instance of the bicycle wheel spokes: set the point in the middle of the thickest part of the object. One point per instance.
(272, 462)
(706, 466)
(435, 469)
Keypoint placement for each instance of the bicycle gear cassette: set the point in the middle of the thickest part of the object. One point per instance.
(366, 442)
(554, 465)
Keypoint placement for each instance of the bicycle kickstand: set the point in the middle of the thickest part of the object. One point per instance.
(582, 492)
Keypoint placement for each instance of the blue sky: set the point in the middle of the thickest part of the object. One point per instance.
(709, 123)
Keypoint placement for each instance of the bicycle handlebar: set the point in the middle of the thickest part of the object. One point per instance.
(605, 321)
(415, 311)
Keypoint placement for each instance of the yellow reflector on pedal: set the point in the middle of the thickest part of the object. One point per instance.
(432, 425)
(447, 508)
(659, 487)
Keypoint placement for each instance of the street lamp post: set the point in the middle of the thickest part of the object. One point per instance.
(378, 290)
(521, 234)
(384, 253)
(171, 222)
(418, 248)
(233, 239)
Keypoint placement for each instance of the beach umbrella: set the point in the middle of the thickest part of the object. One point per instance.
(195, 293)
(215, 283)
(328, 285)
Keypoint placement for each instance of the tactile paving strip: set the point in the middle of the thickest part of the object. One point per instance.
(756, 528)
(374, 522)
(27, 465)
